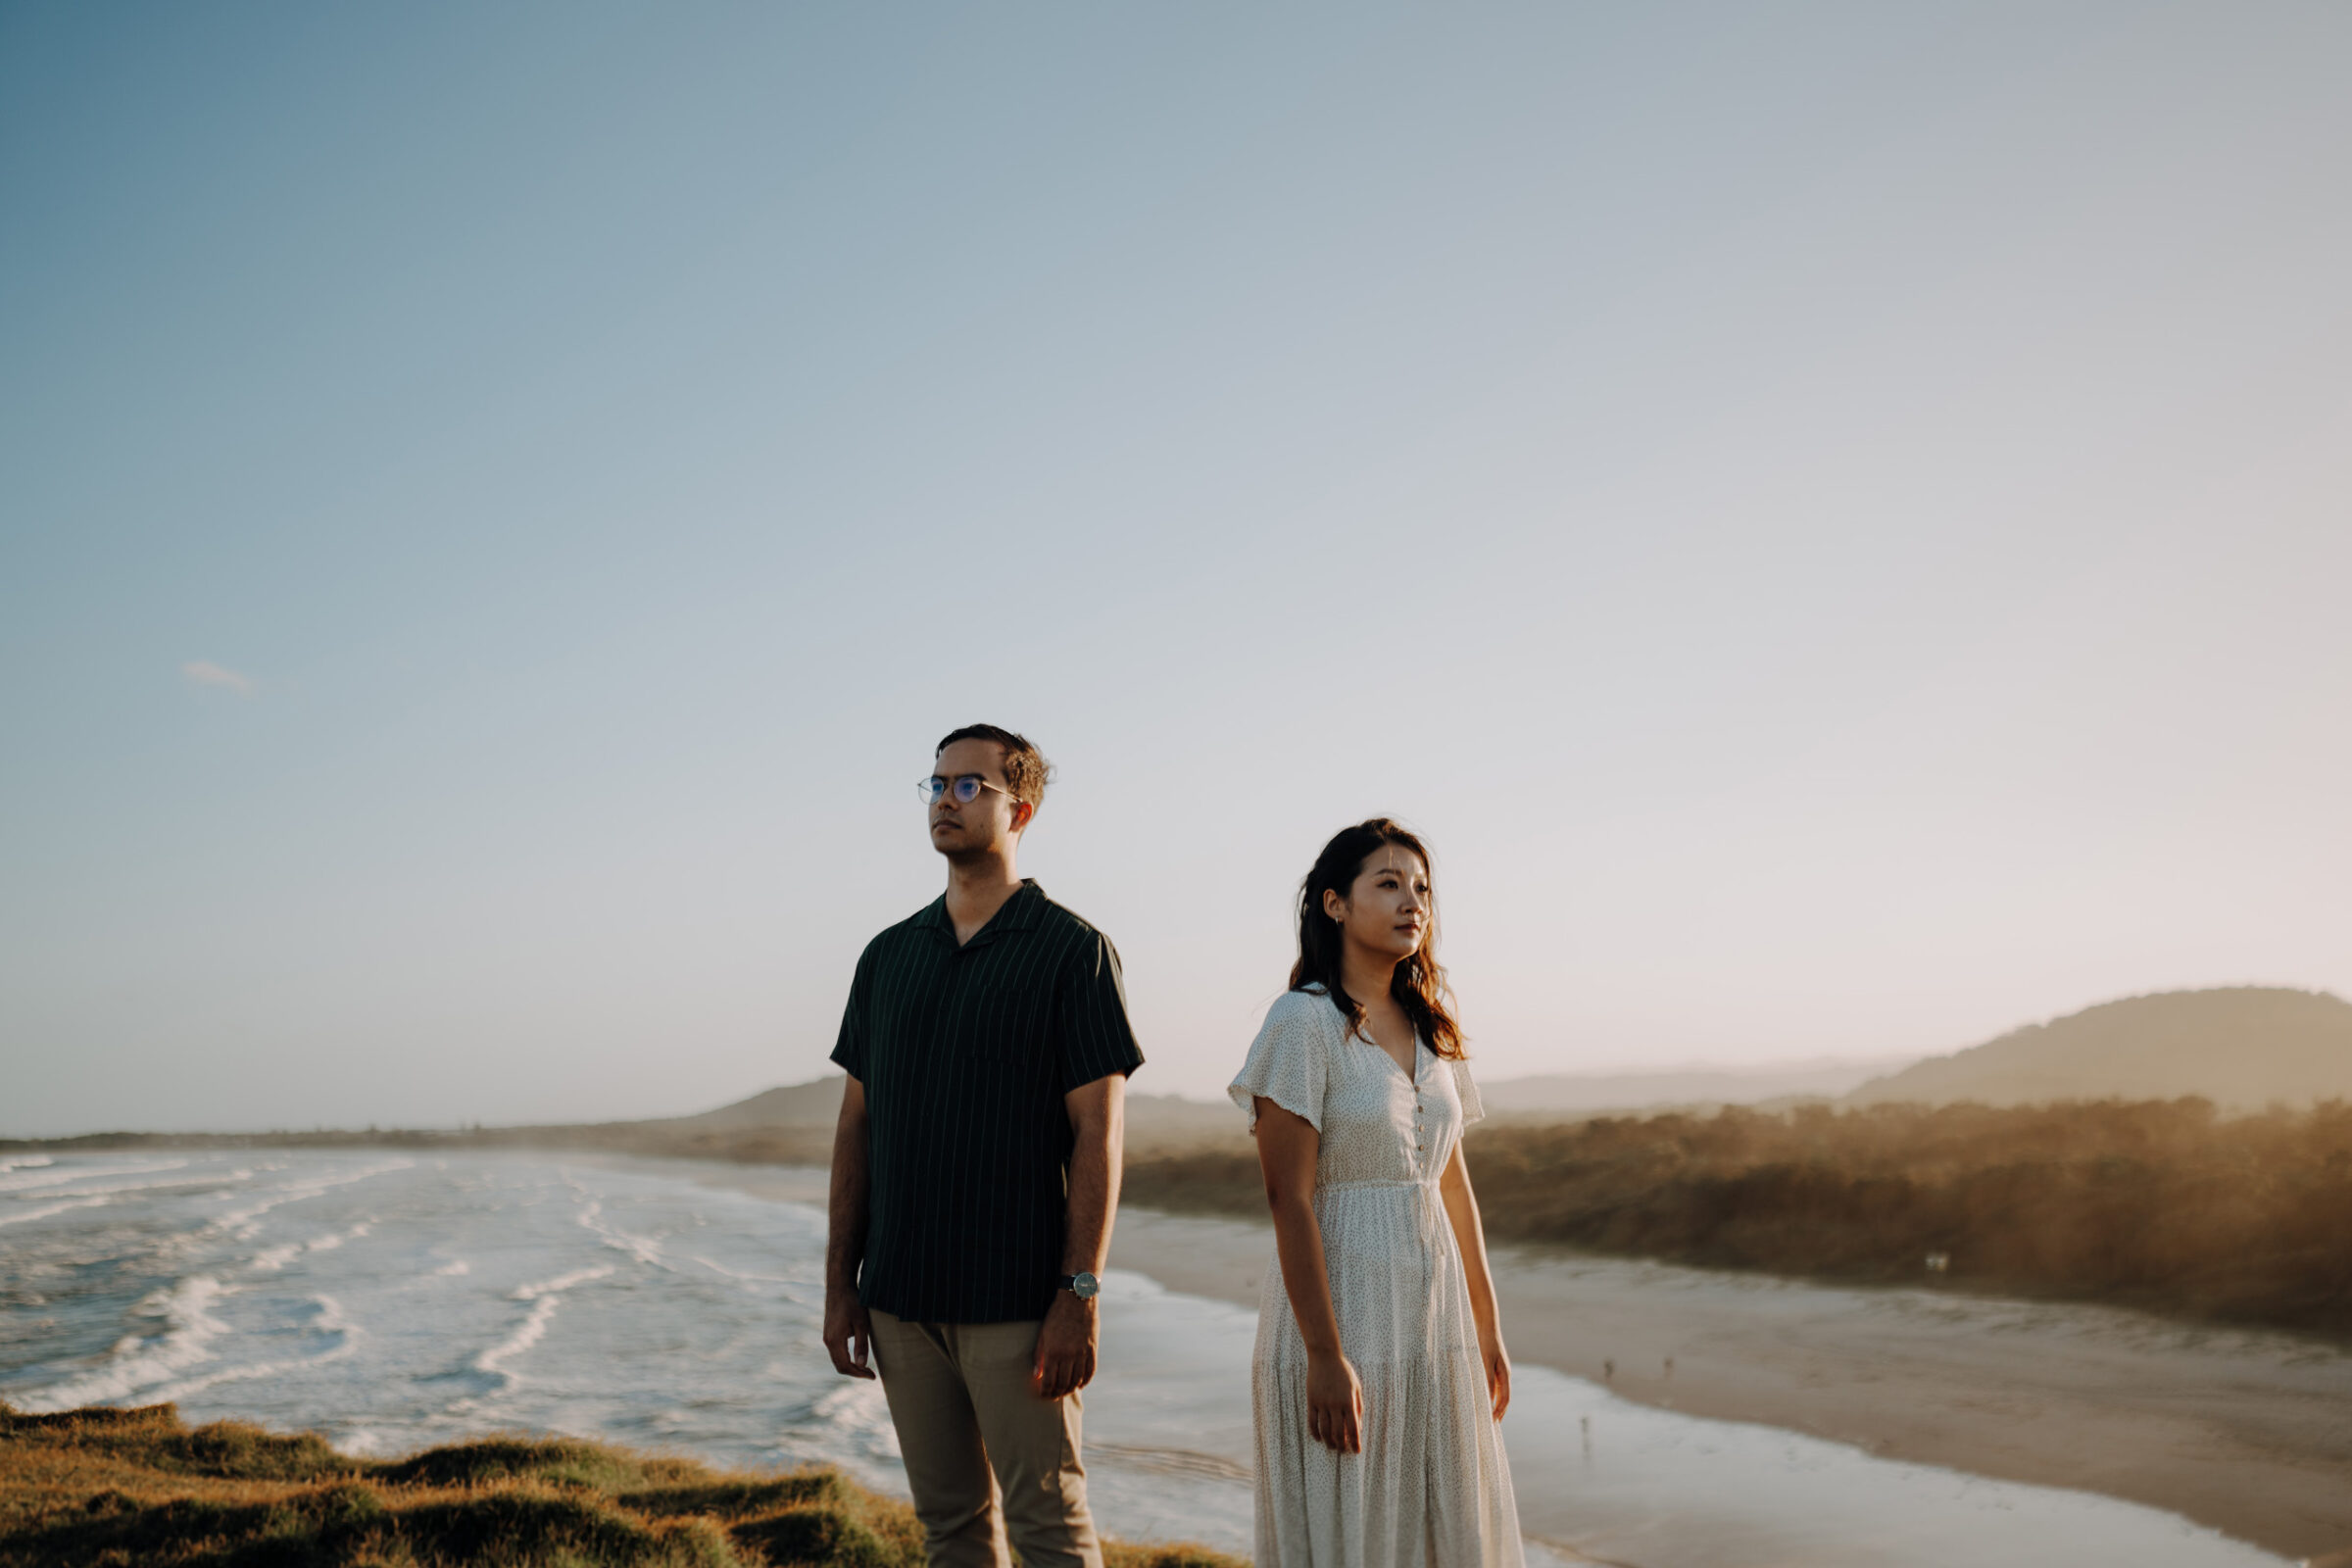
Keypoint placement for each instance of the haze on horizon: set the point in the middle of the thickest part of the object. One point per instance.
(1832, 518)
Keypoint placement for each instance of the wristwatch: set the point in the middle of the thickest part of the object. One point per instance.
(1082, 1286)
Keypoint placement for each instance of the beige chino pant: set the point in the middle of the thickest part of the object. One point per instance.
(985, 1455)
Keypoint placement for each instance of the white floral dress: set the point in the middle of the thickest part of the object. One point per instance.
(1431, 1487)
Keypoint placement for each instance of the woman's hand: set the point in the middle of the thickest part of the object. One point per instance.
(1335, 1404)
(1498, 1374)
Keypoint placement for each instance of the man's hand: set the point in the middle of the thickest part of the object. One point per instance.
(1065, 1347)
(849, 1332)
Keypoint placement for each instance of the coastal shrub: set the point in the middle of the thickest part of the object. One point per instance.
(2163, 1204)
(822, 1534)
(557, 1461)
(739, 1499)
(113, 1489)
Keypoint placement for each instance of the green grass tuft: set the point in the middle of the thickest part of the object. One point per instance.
(127, 1488)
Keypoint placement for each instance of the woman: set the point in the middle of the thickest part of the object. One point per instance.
(1380, 1372)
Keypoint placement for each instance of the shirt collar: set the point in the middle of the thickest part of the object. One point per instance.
(1017, 914)
(1020, 911)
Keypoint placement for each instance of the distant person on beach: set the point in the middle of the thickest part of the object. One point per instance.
(975, 1173)
(1378, 1375)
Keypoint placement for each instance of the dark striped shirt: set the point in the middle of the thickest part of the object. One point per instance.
(965, 1053)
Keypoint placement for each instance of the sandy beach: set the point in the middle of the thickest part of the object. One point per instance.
(2240, 1429)
(2248, 1432)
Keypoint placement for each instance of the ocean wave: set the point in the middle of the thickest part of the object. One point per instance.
(1174, 1461)
(857, 1416)
(644, 1248)
(241, 1223)
(533, 1328)
(20, 1216)
(272, 1259)
(9, 1162)
(136, 1364)
(560, 1284)
(337, 1334)
(546, 1298)
(51, 1174)
(208, 1179)
(734, 1274)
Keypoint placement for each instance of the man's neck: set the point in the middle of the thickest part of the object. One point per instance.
(977, 890)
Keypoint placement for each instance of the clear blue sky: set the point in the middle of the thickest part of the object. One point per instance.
(1835, 519)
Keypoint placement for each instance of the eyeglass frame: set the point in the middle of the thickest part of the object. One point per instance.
(937, 787)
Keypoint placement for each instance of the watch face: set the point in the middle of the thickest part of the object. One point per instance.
(1084, 1286)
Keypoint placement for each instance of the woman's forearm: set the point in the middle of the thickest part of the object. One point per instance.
(1306, 1279)
(1470, 1237)
(1288, 1147)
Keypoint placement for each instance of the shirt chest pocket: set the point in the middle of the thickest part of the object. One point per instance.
(1006, 1025)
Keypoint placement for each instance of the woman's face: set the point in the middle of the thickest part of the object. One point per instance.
(1387, 907)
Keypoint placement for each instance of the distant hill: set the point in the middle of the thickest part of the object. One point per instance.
(1152, 1119)
(2243, 1048)
(1155, 1121)
(816, 1103)
(1551, 1096)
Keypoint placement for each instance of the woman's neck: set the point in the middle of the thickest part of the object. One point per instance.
(1366, 976)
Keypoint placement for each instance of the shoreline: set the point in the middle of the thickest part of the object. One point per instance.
(2248, 1432)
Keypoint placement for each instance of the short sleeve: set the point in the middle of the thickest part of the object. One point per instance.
(1096, 1037)
(1473, 1107)
(1287, 1061)
(849, 1048)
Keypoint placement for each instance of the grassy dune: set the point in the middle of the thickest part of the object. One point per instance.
(105, 1487)
(2160, 1204)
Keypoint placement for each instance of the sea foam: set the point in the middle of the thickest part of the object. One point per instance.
(139, 1363)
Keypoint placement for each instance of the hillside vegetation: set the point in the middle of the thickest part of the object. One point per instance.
(2245, 1048)
(104, 1487)
(2165, 1204)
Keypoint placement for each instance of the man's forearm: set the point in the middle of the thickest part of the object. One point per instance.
(1095, 1160)
(846, 1206)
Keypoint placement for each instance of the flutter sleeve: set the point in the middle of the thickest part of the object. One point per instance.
(1473, 1107)
(1287, 1061)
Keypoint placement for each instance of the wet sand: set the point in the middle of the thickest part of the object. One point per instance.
(2247, 1431)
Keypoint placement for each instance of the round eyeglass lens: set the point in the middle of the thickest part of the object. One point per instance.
(966, 789)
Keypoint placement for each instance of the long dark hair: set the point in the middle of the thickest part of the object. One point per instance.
(1419, 983)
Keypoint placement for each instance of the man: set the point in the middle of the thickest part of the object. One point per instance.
(975, 1171)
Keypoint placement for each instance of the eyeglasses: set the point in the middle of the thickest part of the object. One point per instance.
(965, 787)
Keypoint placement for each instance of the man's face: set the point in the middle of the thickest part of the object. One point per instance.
(984, 824)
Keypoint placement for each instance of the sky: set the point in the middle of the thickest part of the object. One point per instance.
(1832, 520)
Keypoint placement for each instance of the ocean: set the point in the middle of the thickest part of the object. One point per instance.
(393, 1301)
